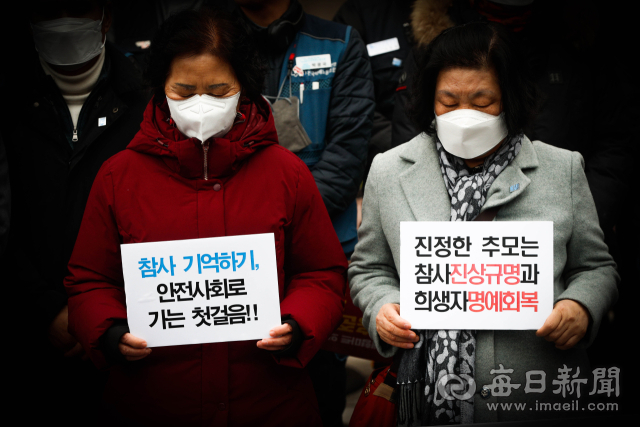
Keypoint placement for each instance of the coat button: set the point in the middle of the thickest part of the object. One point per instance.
(217, 187)
(115, 110)
(485, 393)
(222, 406)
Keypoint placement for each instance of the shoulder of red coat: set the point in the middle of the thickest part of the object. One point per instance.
(280, 155)
(123, 160)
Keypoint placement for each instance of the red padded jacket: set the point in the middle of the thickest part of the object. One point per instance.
(162, 187)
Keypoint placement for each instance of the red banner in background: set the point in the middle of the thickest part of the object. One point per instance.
(351, 337)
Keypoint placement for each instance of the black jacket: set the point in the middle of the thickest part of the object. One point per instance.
(51, 180)
(377, 21)
(5, 199)
(582, 105)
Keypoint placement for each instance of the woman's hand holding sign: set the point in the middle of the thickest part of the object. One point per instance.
(281, 337)
(393, 329)
(566, 325)
(133, 348)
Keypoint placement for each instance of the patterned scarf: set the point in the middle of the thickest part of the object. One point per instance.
(440, 353)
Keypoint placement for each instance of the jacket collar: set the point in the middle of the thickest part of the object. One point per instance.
(512, 181)
(426, 173)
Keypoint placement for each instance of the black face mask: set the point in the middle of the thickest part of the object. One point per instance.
(280, 33)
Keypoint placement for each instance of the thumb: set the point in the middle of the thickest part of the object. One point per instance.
(393, 315)
(550, 324)
(133, 341)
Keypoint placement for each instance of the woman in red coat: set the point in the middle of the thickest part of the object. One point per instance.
(206, 163)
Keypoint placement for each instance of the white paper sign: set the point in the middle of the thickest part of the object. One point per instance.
(202, 290)
(313, 62)
(383, 46)
(476, 275)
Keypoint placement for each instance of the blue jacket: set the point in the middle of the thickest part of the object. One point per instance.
(337, 113)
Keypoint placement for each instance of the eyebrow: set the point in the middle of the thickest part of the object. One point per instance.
(447, 93)
(483, 92)
(192, 87)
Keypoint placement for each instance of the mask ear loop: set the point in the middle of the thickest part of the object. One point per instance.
(105, 36)
(288, 76)
(277, 97)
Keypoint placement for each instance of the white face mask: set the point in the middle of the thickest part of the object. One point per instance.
(470, 133)
(203, 116)
(68, 41)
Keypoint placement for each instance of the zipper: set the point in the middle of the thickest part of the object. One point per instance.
(74, 138)
(205, 148)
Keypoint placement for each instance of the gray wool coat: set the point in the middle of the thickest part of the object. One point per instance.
(406, 184)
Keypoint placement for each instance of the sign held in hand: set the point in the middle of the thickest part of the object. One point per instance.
(202, 290)
(476, 275)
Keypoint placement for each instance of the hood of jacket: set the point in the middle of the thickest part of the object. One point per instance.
(429, 18)
(253, 130)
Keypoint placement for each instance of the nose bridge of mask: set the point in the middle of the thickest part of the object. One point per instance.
(65, 25)
(201, 104)
(208, 103)
(468, 118)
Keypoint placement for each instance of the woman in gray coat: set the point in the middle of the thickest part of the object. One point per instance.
(473, 99)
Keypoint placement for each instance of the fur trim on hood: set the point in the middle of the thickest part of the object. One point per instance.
(428, 19)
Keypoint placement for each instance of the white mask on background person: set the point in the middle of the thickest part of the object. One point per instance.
(204, 116)
(470, 133)
(68, 41)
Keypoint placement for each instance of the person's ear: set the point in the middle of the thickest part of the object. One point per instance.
(107, 19)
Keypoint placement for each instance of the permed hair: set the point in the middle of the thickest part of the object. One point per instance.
(208, 30)
(477, 45)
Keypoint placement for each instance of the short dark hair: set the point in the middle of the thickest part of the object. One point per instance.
(208, 30)
(50, 9)
(476, 45)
